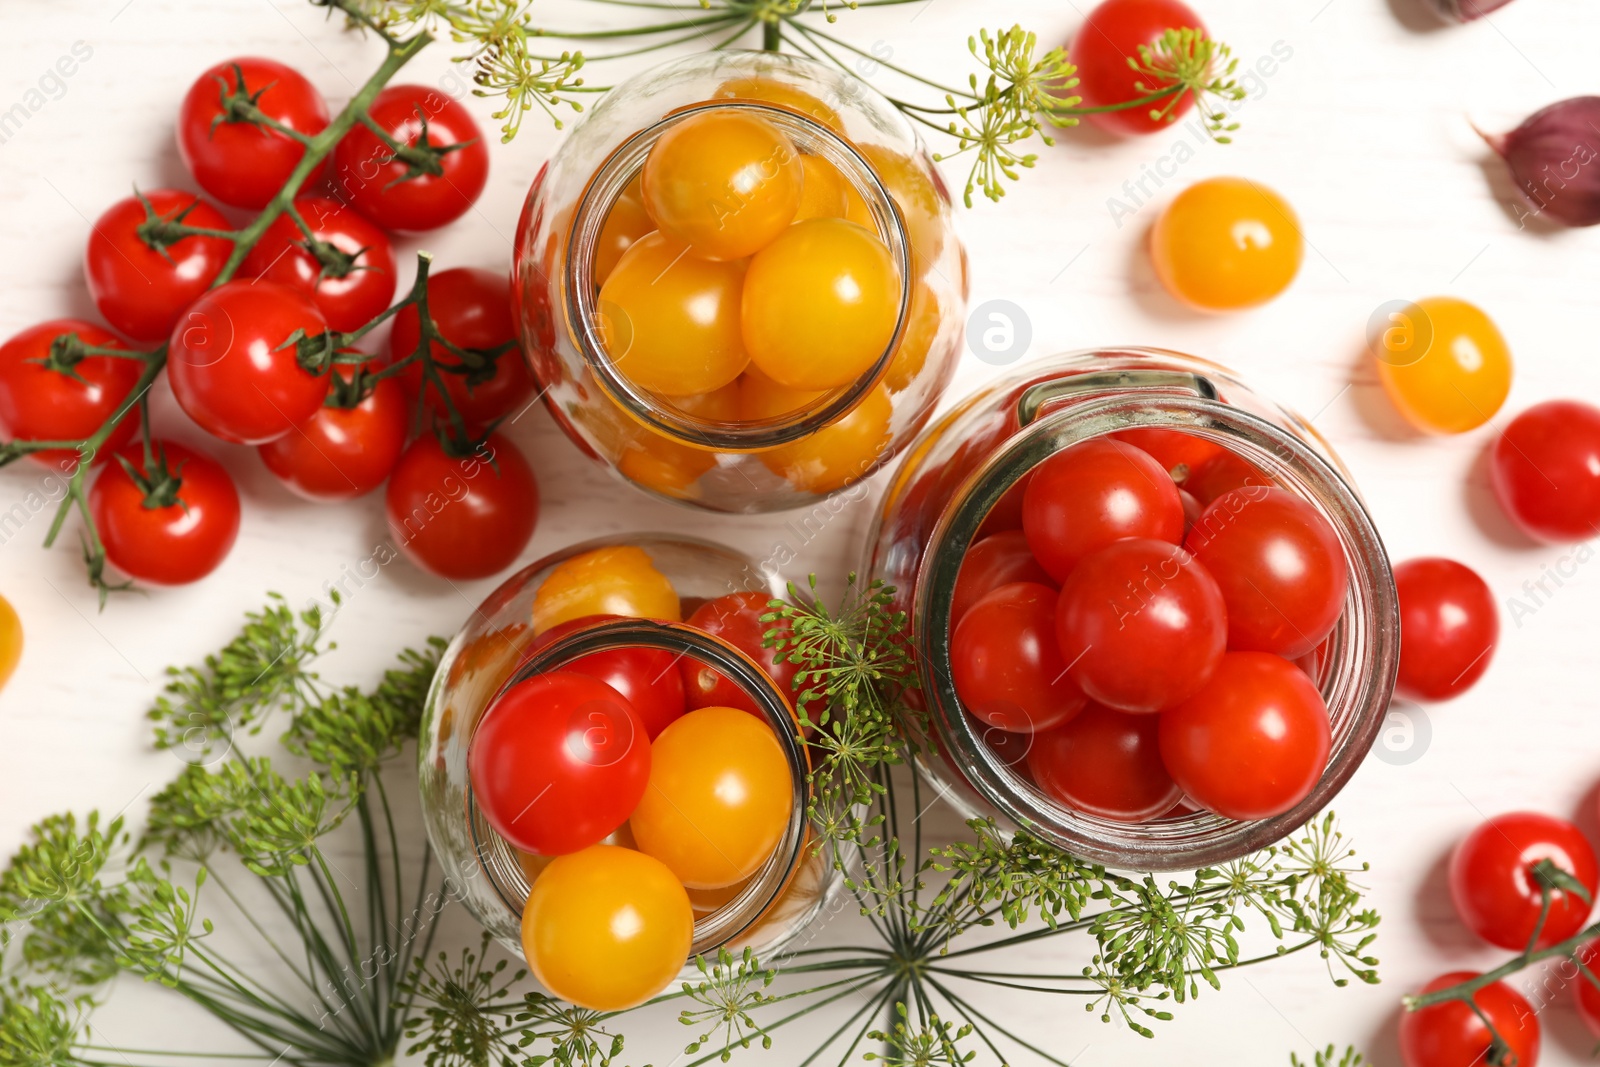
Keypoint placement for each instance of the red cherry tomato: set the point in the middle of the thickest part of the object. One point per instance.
(1253, 742)
(646, 677)
(1007, 511)
(1106, 763)
(1005, 664)
(418, 190)
(230, 369)
(342, 453)
(1178, 453)
(472, 310)
(38, 403)
(996, 560)
(1223, 473)
(1546, 471)
(736, 618)
(559, 761)
(1093, 493)
(142, 289)
(240, 162)
(462, 517)
(1585, 993)
(1279, 565)
(1141, 624)
(1452, 1035)
(1449, 627)
(1101, 49)
(346, 266)
(182, 539)
(1494, 887)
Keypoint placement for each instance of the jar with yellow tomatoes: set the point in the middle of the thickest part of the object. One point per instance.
(738, 281)
(612, 771)
(1153, 621)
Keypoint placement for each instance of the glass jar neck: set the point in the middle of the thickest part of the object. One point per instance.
(1362, 655)
(581, 293)
(499, 861)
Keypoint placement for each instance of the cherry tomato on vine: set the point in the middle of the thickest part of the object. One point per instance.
(1227, 243)
(238, 161)
(820, 304)
(1141, 625)
(1585, 993)
(736, 618)
(1451, 1034)
(1449, 627)
(40, 403)
(141, 280)
(614, 580)
(1252, 742)
(1280, 566)
(1106, 763)
(725, 182)
(1093, 493)
(1179, 453)
(340, 453)
(176, 529)
(462, 517)
(231, 366)
(472, 310)
(1444, 365)
(346, 266)
(670, 320)
(10, 640)
(1546, 471)
(1101, 49)
(991, 562)
(1495, 887)
(435, 178)
(1005, 663)
(558, 762)
(607, 928)
(648, 678)
(720, 797)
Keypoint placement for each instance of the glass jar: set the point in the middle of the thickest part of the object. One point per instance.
(745, 447)
(496, 649)
(963, 479)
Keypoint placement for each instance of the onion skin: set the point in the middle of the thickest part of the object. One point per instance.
(1554, 157)
(1466, 10)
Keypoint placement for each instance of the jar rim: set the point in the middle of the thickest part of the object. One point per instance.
(582, 299)
(765, 889)
(1357, 687)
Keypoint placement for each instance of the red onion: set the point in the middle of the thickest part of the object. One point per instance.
(1554, 156)
(1467, 10)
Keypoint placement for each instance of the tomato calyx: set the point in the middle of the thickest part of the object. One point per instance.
(422, 159)
(239, 104)
(67, 350)
(160, 232)
(158, 482)
(1551, 880)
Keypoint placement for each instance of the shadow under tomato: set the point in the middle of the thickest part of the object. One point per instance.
(1144, 285)
(1477, 494)
(1434, 914)
(1417, 16)
(1371, 401)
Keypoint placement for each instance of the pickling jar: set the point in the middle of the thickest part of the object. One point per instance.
(963, 478)
(742, 447)
(496, 648)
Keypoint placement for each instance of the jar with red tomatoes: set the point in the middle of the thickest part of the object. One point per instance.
(606, 736)
(1155, 624)
(739, 283)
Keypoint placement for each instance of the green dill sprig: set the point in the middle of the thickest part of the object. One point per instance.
(1187, 63)
(457, 1021)
(729, 990)
(1330, 1057)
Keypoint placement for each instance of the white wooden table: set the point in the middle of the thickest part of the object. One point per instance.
(1364, 127)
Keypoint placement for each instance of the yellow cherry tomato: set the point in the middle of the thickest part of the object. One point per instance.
(1227, 243)
(706, 901)
(820, 304)
(669, 320)
(615, 580)
(664, 465)
(10, 640)
(832, 457)
(725, 181)
(719, 405)
(719, 798)
(1444, 364)
(607, 928)
(822, 195)
(922, 327)
(625, 224)
(533, 864)
(780, 94)
(922, 204)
